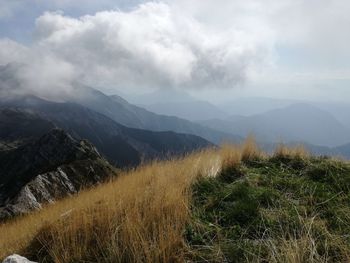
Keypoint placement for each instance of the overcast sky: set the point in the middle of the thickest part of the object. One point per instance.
(213, 49)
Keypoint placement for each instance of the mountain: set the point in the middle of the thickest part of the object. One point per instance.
(121, 145)
(343, 150)
(193, 111)
(165, 95)
(247, 106)
(121, 111)
(340, 110)
(51, 167)
(18, 127)
(115, 108)
(297, 122)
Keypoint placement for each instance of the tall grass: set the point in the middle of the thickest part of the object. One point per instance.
(250, 150)
(140, 216)
(297, 151)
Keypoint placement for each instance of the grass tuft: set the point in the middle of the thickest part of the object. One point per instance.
(233, 204)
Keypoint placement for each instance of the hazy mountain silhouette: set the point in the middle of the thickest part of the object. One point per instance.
(247, 106)
(297, 122)
(165, 95)
(125, 113)
(194, 110)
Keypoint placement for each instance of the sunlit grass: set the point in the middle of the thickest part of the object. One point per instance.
(141, 215)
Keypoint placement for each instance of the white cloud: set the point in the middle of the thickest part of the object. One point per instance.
(154, 45)
(11, 51)
(186, 43)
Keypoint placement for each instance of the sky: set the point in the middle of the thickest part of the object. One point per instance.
(215, 50)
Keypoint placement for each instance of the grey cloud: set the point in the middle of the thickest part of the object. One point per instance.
(178, 43)
(153, 45)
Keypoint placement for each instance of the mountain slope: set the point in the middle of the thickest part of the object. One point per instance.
(48, 168)
(247, 106)
(18, 127)
(163, 95)
(133, 116)
(298, 122)
(193, 111)
(230, 205)
(115, 108)
(121, 145)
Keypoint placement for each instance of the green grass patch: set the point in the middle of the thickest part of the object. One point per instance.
(279, 209)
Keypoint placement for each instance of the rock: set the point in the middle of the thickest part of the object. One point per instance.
(50, 168)
(17, 259)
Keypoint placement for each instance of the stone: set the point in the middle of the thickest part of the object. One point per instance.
(47, 169)
(16, 259)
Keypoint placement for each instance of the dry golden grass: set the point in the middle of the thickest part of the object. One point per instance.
(296, 151)
(138, 217)
(250, 149)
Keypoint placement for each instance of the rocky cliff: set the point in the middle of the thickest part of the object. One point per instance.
(51, 167)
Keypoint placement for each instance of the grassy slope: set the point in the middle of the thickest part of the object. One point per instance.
(278, 209)
(138, 217)
(286, 208)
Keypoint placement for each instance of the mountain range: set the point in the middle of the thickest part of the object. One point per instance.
(173, 102)
(121, 145)
(294, 123)
(72, 142)
(125, 113)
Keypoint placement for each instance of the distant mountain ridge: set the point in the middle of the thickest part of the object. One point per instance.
(121, 145)
(121, 111)
(193, 111)
(297, 122)
(163, 95)
(116, 108)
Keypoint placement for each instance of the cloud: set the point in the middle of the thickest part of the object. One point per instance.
(31, 70)
(11, 51)
(155, 45)
(183, 43)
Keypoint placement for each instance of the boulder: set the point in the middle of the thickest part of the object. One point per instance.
(17, 259)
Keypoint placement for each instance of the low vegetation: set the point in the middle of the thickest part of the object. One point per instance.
(285, 208)
(233, 204)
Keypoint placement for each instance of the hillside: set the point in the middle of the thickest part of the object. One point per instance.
(235, 204)
(125, 113)
(121, 145)
(193, 110)
(51, 167)
(294, 123)
(280, 209)
(247, 106)
(115, 108)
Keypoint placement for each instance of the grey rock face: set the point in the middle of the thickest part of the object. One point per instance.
(17, 259)
(50, 168)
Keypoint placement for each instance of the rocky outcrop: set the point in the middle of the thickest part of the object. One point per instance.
(16, 259)
(47, 169)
